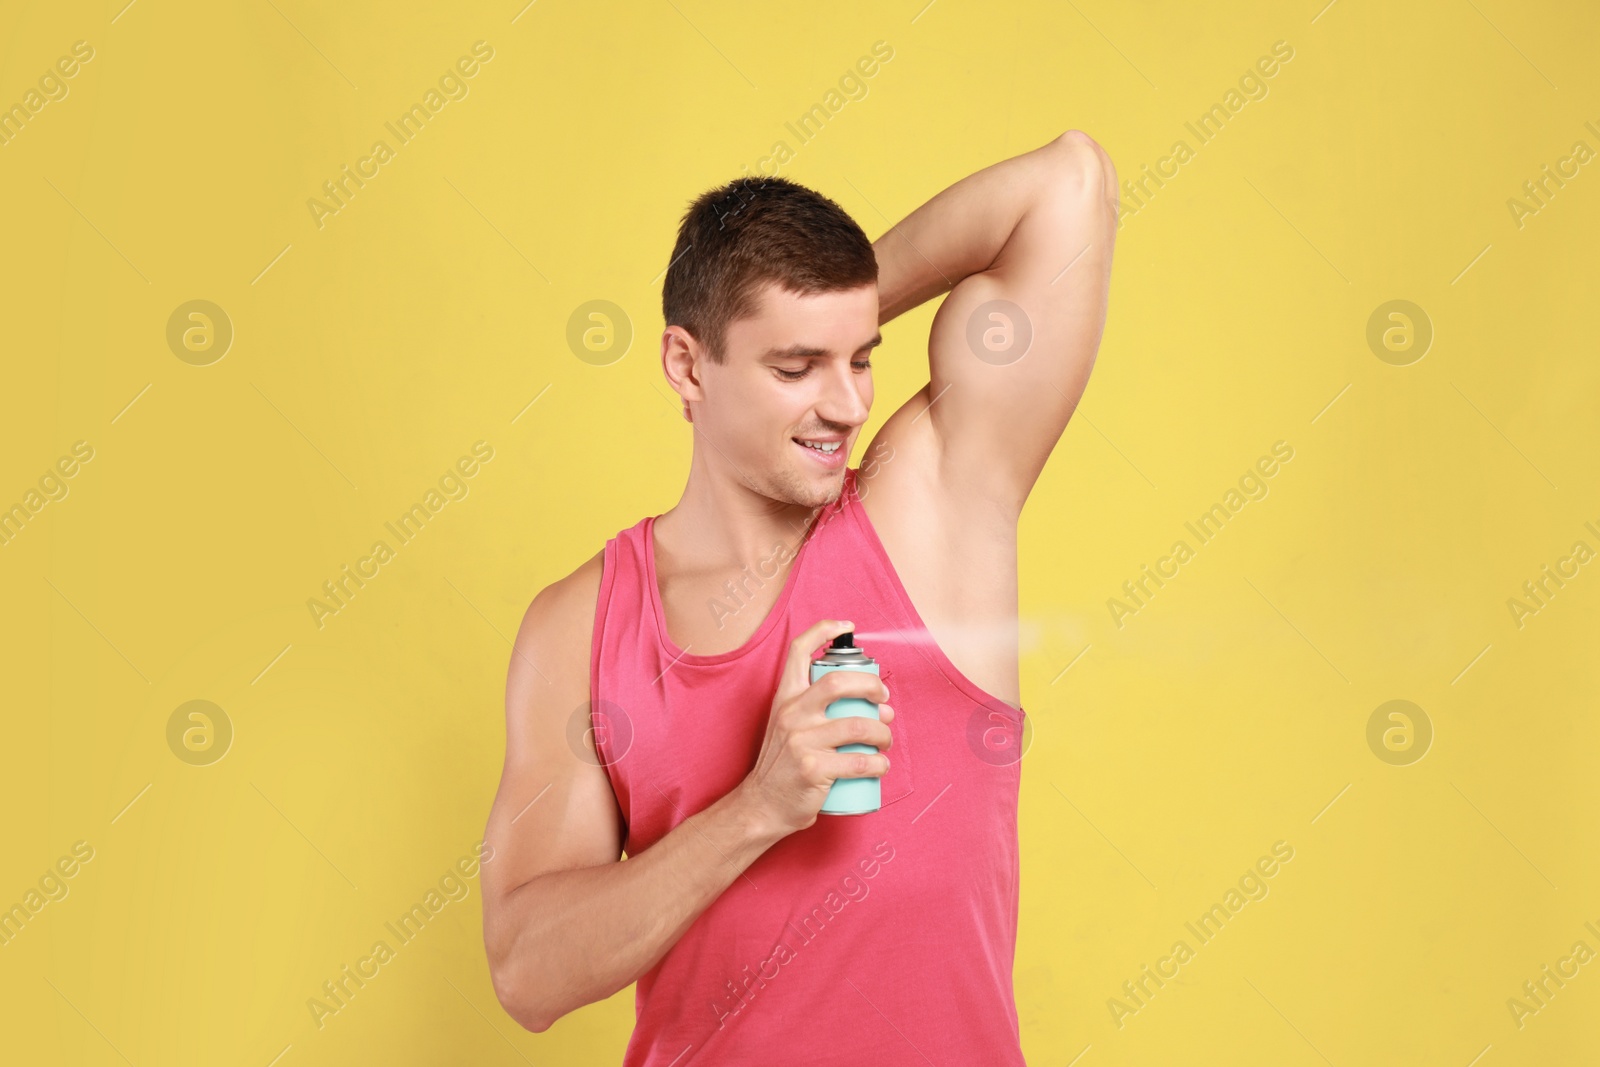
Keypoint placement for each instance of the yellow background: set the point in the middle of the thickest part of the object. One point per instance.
(369, 354)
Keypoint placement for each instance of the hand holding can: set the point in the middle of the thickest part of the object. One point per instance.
(806, 751)
(850, 796)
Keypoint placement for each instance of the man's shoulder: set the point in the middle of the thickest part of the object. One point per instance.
(553, 639)
(574, 594)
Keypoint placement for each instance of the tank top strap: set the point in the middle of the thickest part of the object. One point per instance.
(623, 654)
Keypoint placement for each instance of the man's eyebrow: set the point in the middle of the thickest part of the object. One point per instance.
(802, 351)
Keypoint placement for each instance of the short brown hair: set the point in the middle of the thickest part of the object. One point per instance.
(736, 238)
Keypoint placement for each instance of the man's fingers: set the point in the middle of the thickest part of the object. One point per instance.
(797, 668)
(839, 685)
(854, 765)
(854, 730)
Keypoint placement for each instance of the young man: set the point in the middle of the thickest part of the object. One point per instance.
(658, 700)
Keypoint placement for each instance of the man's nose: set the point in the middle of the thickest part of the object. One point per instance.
(843, 400)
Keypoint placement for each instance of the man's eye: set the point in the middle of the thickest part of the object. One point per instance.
(796, 375)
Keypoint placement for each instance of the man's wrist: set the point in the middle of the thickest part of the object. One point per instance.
(753, 827)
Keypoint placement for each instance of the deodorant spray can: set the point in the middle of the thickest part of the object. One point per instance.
(849, 796)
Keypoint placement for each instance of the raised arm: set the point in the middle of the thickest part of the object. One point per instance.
(1024, 248)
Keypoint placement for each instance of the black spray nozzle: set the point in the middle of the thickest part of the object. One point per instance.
(844, 640)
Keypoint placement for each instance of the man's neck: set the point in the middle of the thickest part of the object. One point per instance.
(720, 522)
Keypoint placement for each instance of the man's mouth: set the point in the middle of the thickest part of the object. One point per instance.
(829, 451)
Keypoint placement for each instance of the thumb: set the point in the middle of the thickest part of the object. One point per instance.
(796, 674)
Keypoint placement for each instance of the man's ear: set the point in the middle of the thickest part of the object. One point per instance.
(680, 362)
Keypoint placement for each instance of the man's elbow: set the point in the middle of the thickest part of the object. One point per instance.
(1083, 168)
(515, 998)
(518, 985)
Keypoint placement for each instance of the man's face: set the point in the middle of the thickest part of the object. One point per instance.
(796, 371)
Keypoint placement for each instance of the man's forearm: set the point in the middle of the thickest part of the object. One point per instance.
(962, 230)
(570, 938)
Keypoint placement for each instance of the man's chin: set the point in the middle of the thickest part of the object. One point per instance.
(810, 489)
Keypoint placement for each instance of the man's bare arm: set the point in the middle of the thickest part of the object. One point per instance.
(566, 924)
(1037, 231)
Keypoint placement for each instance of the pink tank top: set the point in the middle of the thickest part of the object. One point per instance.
(883, 939)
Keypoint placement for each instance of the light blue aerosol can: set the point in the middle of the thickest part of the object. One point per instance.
(849, 796)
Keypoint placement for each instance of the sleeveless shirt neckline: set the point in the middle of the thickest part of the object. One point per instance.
(848, 495)
(653, 590)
